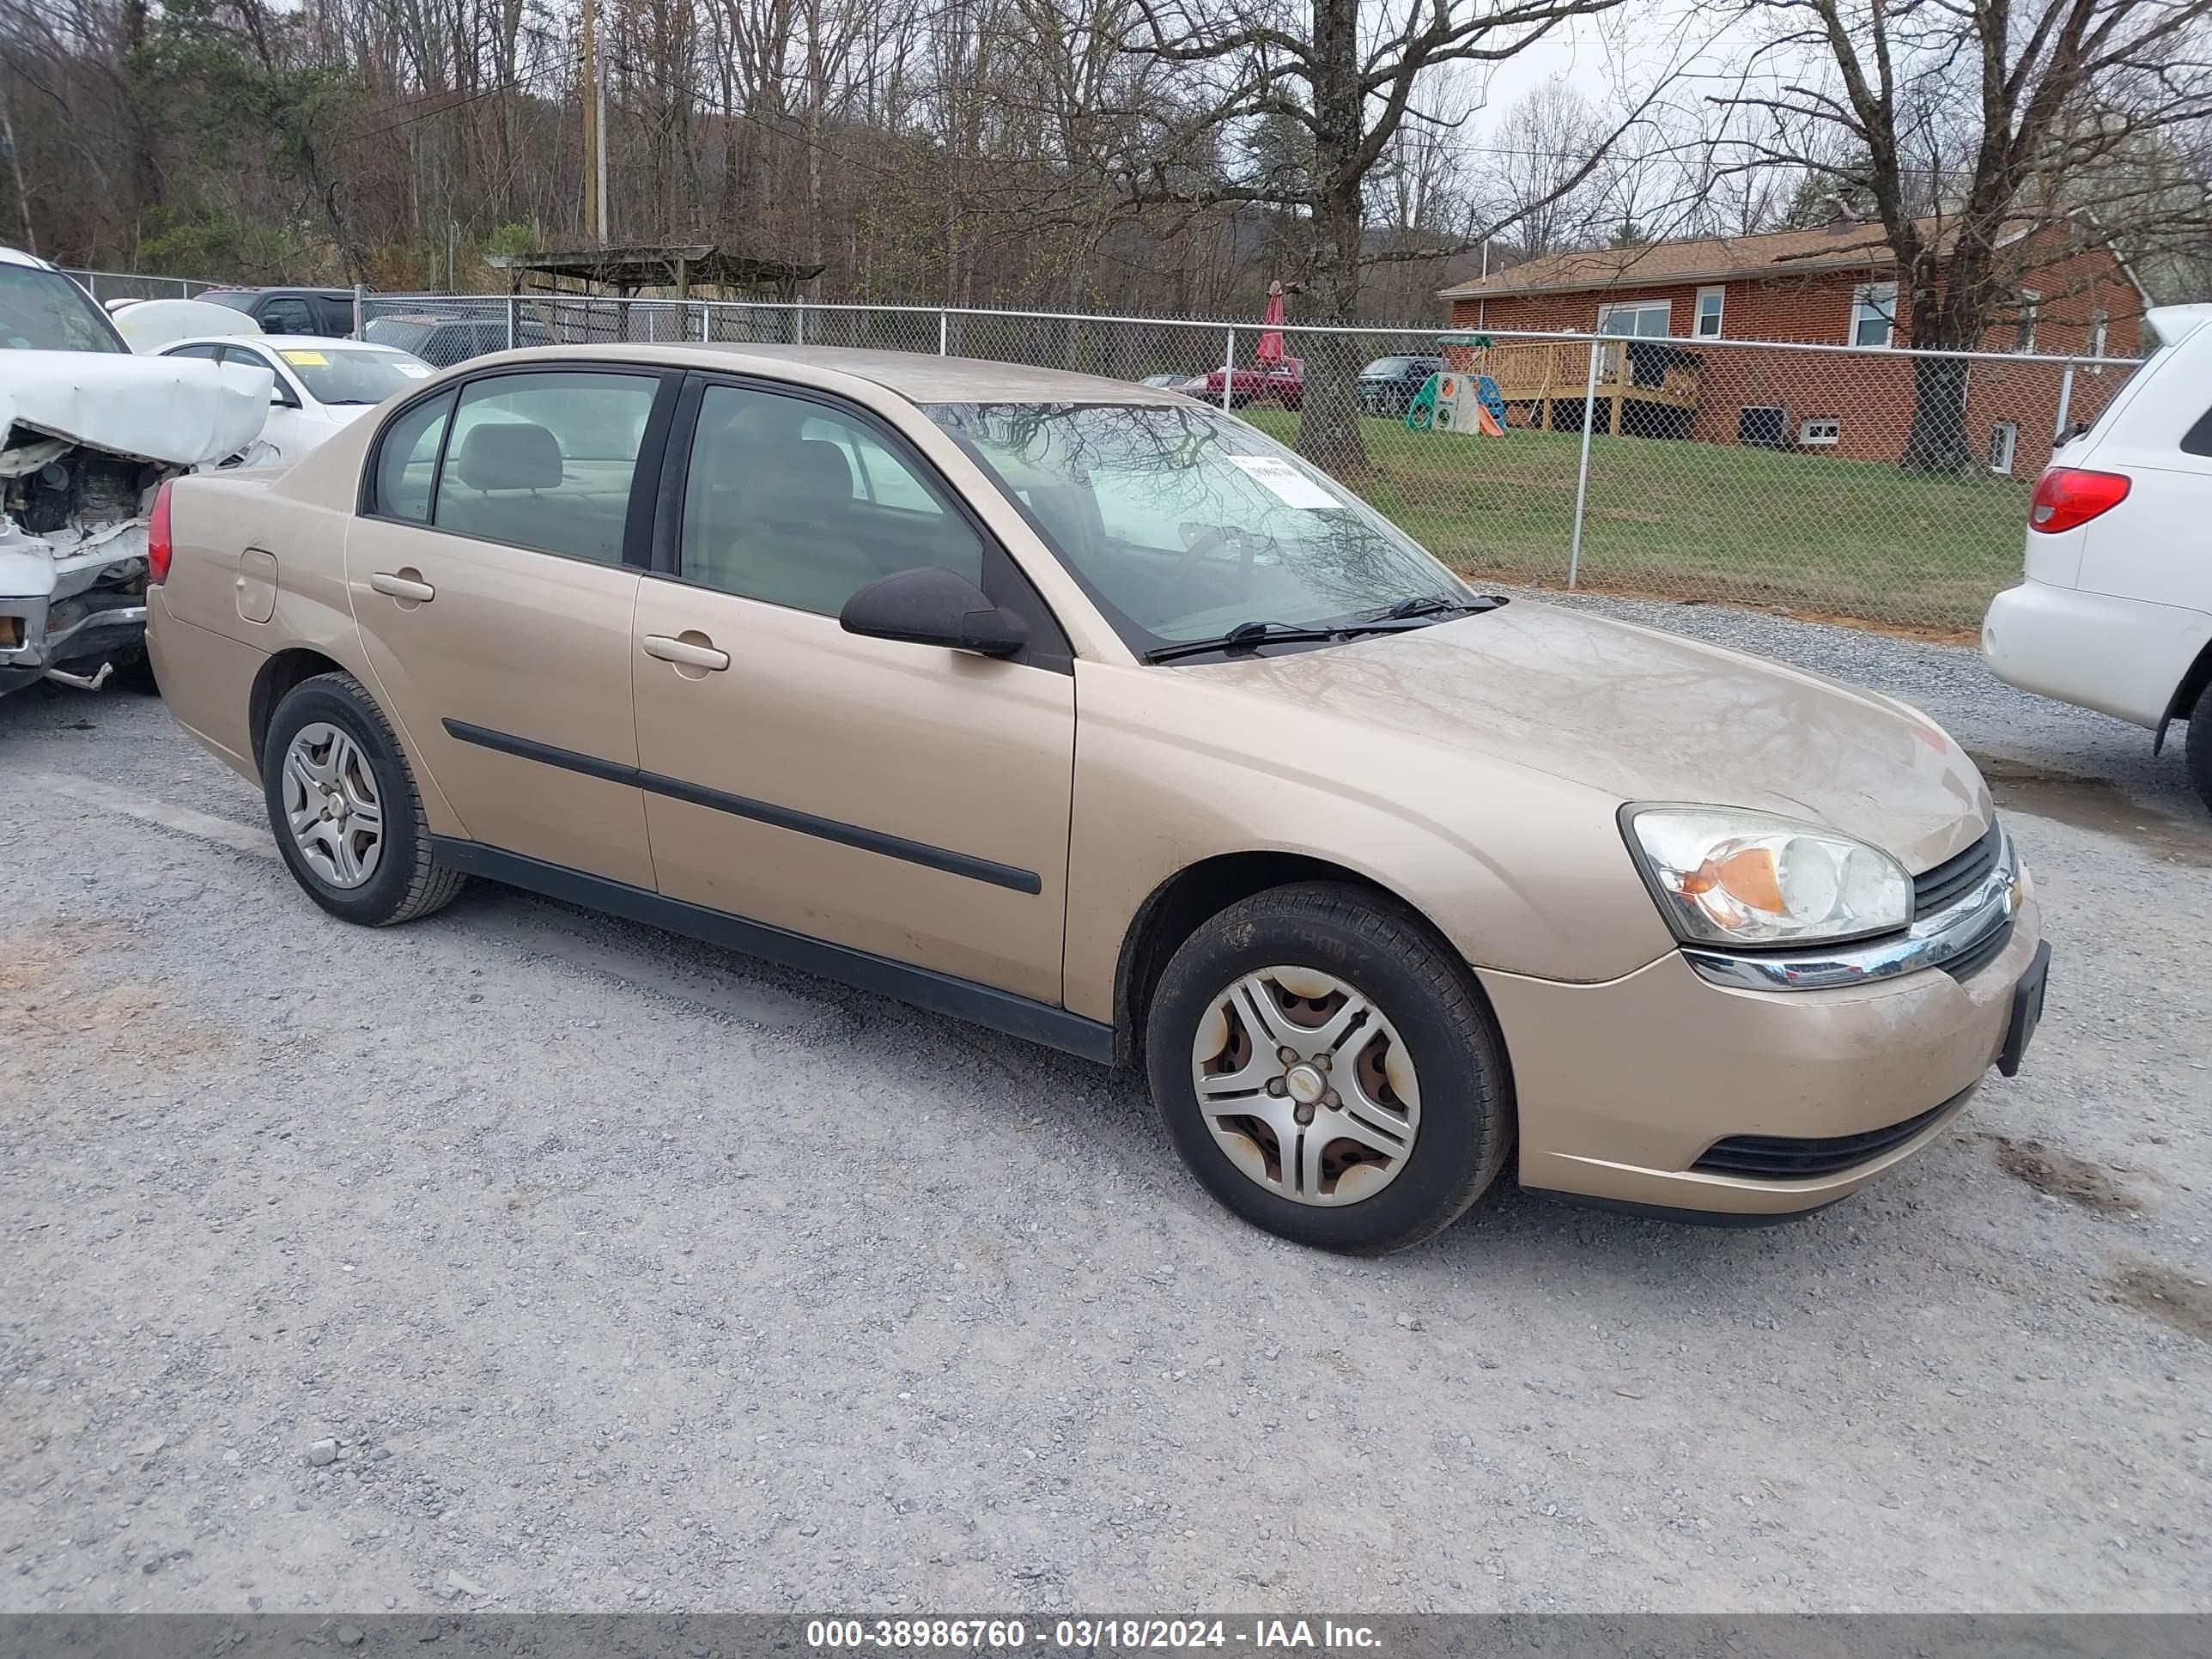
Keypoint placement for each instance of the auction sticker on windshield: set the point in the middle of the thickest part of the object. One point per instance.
(1287, 485)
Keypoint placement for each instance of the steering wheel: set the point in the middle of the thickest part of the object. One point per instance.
(1195, 552)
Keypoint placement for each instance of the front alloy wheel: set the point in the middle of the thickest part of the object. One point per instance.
(1329, 1067)
(1307, 1087)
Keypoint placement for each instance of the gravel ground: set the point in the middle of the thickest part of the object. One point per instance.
(526, 1260)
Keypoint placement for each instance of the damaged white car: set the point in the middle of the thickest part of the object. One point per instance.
(87, 431)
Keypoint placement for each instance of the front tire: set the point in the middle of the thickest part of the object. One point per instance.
(2198, 750)
(343, 804)
(1329, 1070)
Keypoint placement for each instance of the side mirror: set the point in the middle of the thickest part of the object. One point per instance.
(930, 605)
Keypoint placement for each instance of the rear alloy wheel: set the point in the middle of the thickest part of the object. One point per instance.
(1329, 1070)
(342, 804)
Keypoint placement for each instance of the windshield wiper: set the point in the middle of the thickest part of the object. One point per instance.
(1243, 637)
(1249, 636)
(1439, 604)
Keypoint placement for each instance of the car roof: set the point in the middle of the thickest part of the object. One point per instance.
(326, 292)
(288, 343)
(15, 256)
(919, 377)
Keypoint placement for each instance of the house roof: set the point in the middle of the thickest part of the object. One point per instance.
(1781, 253)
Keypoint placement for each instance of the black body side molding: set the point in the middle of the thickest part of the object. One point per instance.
(760, 812)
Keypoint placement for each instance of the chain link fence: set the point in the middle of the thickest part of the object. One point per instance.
(1862, 485)
(106, 285)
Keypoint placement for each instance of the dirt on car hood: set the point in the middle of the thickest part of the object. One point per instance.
(176, 412)
(1649, 716)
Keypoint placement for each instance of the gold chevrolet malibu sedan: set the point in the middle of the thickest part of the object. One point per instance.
(1087, 713)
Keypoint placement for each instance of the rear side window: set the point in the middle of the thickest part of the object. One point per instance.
(545, 460)
(407, 460)
(2198, 439)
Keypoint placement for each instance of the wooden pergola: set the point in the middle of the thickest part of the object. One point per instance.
(623, 271)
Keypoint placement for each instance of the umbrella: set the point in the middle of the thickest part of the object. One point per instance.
(1271, 342)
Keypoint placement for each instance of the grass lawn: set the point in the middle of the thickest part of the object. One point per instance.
(1845, 538)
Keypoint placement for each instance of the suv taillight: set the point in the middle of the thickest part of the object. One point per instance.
(2068, 495)
(157, 537)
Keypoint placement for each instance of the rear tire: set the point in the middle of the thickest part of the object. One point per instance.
(343, 807)
(1413, 1115)
(2199, 746)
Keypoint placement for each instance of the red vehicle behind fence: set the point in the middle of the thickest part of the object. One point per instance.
(1283, 383)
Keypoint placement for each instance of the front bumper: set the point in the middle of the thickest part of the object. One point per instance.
(1623, 1087)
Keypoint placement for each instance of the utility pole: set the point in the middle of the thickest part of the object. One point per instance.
(595, 129)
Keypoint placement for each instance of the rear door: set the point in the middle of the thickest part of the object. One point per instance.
(901, 799)
(495, 572)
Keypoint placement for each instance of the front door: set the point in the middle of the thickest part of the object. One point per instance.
(496, 605)
(901, 799)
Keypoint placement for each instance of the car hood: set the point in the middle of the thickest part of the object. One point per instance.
(1647, 716)
(182, 411)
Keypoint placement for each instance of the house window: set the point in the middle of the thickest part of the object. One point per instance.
(1820, 434)
(1874, 313)
(1640, 320)
(2099, 322)
(1763, 425)
(2004, 438)
(1711, 301)
(2023, 338)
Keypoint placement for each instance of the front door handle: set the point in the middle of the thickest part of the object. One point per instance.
(684, 653)
(403, 585)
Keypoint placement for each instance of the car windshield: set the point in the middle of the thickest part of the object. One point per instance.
(1183, 523)
(335, 374)
(45, 311)
(240, 299)
(1382, 366)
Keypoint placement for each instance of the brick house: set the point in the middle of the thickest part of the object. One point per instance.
(1833, 285)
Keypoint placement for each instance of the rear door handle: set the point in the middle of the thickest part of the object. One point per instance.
(401, 586)
(685, 653)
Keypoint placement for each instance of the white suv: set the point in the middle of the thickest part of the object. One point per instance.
(2115, 614)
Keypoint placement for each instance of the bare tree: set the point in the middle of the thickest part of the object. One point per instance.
(1348, 92)
(1958, 120)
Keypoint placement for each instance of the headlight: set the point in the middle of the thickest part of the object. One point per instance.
(1723, 876)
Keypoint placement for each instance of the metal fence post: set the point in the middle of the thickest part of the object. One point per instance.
(360, 294)
(798, 324)
(1582, 469)
(944, 333)
(2065, 402)
(1228, 369)
(511, 334)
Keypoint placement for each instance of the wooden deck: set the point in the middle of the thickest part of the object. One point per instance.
(1543, 377)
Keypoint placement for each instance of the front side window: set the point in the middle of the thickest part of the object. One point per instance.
(1643, 319)
(1874, 313)
(789, 501)
(545, 460)
(287, 316)
(280, 391)
(1183, 522)
(45, 311)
